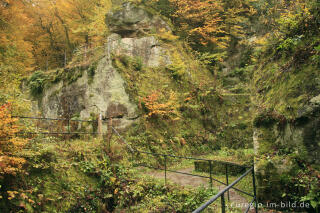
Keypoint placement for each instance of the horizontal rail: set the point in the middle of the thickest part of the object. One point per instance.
(201, 208)
(205, 205)
(188, 174)
(57, 133)
(158, 168)
(53, 119)
(191, 158)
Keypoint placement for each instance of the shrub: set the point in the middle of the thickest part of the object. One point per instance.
(10, 164)
(159, 106)
(178, 67)
(167, 35)
(36, 83)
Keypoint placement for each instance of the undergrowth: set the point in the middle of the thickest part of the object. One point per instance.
(78, 176)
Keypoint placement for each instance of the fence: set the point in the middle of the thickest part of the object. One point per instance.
(62, 127)
(211, 179)
(223, 191)
(221, 194)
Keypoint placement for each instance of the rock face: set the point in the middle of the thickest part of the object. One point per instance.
(105, 95)
(132, 21)
(300, 138)
(104, 92)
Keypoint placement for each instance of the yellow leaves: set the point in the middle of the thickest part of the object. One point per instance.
(11, 165)
(213, 22)
(200, 18)
(97, 27)
(15, 54)
(252, 11)
(22, 195)
(113, 179)
(116, 191)
(9, 143)
(12, 194)
(42, 31)
(160, 106)
(166, 35)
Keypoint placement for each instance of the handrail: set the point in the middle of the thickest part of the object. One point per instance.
(168, 170)
(192, 158)
(53, 119)
(57, 133)
(131, 149)
(205, 205)
(211, 178)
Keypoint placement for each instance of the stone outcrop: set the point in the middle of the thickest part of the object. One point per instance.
(104, 92)
(133, 21)
(300, 138)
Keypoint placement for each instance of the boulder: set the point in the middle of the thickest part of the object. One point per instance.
(133, 21)
(99, 88)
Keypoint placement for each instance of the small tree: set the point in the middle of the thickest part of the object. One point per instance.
(10, 145)
(160, 106)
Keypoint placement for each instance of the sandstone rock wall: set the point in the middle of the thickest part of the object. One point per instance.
(105, 93)
(299, 143)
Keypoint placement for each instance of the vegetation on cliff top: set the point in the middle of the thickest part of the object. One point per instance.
(274, 43)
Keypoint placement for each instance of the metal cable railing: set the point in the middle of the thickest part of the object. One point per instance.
(223, 191)
(221, 194)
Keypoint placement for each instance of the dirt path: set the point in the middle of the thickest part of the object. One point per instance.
(192, 181)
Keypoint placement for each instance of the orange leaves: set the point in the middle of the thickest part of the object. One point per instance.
(160, 106)
(9, 143)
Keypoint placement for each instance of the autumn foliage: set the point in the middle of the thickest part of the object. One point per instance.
(160, 106)
(210, 22)
(10, 145)
(200, 18)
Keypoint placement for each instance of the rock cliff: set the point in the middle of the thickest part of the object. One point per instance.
(100, 89)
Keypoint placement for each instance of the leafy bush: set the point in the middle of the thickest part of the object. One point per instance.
(10, 145)
(37, 83)
(160, 106)
(148, 194)
(132, 62)
(177, 68)
(92, 71)
(167, 35)
(11, 162)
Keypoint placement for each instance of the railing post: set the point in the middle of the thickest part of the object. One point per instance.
(165, 170)
(223, 204)
(65, 57)
(69, 126)
(109, 135)
(227, 179)
(254, 188)
(100, 126)
(210, 167)
(68, 135)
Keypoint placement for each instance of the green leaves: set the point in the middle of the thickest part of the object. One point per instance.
(36, 83)
(313, 196)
